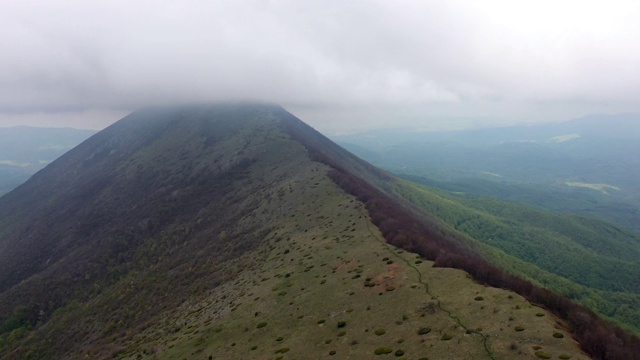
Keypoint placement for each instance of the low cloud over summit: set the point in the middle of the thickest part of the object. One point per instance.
(342, 65)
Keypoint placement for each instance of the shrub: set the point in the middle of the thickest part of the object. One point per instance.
(282, 350)
(558, 335)
(446, 337)
(261, 325)
(424, 330)
(478, 298)
(342, 324)
(379, 332)
(399, 352)
(518, 328)
(564, 356)
(383, 351)
(542, 355)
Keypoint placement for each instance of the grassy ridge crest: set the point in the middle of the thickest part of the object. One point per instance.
(404, 228)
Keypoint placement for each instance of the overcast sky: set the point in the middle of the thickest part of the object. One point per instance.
(338, 65)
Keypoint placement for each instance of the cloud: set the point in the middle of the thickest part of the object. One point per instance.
(414, 59)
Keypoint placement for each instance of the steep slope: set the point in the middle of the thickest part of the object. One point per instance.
(164, 192)
(213, 232)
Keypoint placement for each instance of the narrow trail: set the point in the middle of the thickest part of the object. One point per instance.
(423, 282)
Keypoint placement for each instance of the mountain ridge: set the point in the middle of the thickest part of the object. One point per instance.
(119, 244)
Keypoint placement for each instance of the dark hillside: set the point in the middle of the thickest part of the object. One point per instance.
(128, 199)
(110, 173)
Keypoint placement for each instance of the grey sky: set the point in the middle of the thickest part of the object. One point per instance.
(339, 65)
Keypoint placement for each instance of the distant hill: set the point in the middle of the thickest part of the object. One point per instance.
(589, 164)
(25, 150)
(237, 231)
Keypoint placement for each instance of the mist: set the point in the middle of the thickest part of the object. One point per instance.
(341, 66)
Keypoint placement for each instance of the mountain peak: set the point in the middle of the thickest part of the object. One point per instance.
(220, 230)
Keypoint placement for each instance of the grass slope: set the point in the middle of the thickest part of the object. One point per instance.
(224, 240)
(326, 285)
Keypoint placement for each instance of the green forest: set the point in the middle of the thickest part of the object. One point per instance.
(589, 261)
